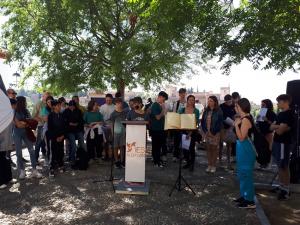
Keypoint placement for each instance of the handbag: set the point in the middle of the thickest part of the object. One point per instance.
(229, 136)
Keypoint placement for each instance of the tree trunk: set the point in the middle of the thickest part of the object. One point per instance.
(121, 88)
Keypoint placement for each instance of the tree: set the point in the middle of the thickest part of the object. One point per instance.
(75, 44)
(267, 33)
(72, 44)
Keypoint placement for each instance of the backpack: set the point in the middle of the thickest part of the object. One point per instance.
(82, 161)
(261, 145)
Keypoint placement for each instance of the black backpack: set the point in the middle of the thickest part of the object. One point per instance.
(82, 162)
(261, 145)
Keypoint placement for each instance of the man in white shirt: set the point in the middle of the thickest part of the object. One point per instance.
(178, 105)
(107, 109)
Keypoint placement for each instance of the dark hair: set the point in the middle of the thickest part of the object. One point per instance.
(118, 100)
(109, 96)
(131, 100)
(215, 99)
(138, 99)
(163, 94)
(75, 96)
(55, 102)
(245, 105)
(268, 103)
(118, 95)
(47, 99)
(227, 98)
(235, 95)
(91, 105)
(182, 90)
(62, 99)
(21, 104)
(191, 96)
(285, 98)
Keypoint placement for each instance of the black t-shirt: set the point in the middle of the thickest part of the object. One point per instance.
(286, 117)
(228, 111)
(264, 126)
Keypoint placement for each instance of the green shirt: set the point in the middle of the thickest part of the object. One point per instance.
(196, 112)
(156, 125)
(90, 117)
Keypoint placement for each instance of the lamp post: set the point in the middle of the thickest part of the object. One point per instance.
(16, 74)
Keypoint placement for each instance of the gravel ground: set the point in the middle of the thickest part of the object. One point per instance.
(73, 198)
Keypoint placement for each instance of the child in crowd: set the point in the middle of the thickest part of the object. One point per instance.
(56, 134)
(119, 115)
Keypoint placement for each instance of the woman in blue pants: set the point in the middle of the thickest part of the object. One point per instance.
(246, 154)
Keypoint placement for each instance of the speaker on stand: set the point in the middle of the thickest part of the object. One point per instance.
(293, 89)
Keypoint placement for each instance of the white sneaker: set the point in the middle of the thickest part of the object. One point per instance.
(36, 174)
(13, 181)
(208, 169)
(22, 175)
(213, 169)
(3, 186)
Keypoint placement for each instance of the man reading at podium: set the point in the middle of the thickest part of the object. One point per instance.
(157, 120)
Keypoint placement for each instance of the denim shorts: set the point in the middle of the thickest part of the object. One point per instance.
(281, 154)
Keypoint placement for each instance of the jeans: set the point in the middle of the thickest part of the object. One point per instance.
(18, 139)
(246, 158)
(40, 143)
(72, 141)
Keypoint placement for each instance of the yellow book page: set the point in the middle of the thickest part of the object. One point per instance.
(172, 121)
(188, 121)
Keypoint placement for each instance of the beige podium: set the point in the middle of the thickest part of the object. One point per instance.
(135, 156)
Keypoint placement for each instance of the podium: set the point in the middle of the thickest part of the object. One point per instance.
(135, 156)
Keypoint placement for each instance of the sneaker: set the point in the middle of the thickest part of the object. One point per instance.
(3, 186)
(118, 165)
(239, 200)
(25, 160)
(164, 158)
(36, 174)
(158, 165)
(22, 175)
(62, 169)
(213, 169)
(246, 205)
(12, 163)
(13, 181)
(275, 190)
(174, 159)
(283, 195)
(186, 166)
(51, 173)
(208, 169)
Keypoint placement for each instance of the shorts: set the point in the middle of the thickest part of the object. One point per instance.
(281, 154)
(119, 140)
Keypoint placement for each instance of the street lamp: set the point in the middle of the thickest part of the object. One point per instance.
(16, 74)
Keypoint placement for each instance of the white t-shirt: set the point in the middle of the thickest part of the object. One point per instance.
(106, 111)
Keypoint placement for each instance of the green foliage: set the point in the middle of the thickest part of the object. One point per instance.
(72, 45)
(267, 33)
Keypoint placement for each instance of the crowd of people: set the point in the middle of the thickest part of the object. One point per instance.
(68, 128)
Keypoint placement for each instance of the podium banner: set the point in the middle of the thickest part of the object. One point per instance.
(135, 153)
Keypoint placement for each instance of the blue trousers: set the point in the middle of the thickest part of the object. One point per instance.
(246, 157)
(72, 139)
(18, 139)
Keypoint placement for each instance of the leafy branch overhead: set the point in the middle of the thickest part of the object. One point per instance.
(70, 45)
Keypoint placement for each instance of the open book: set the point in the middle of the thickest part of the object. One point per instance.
(180, 121)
